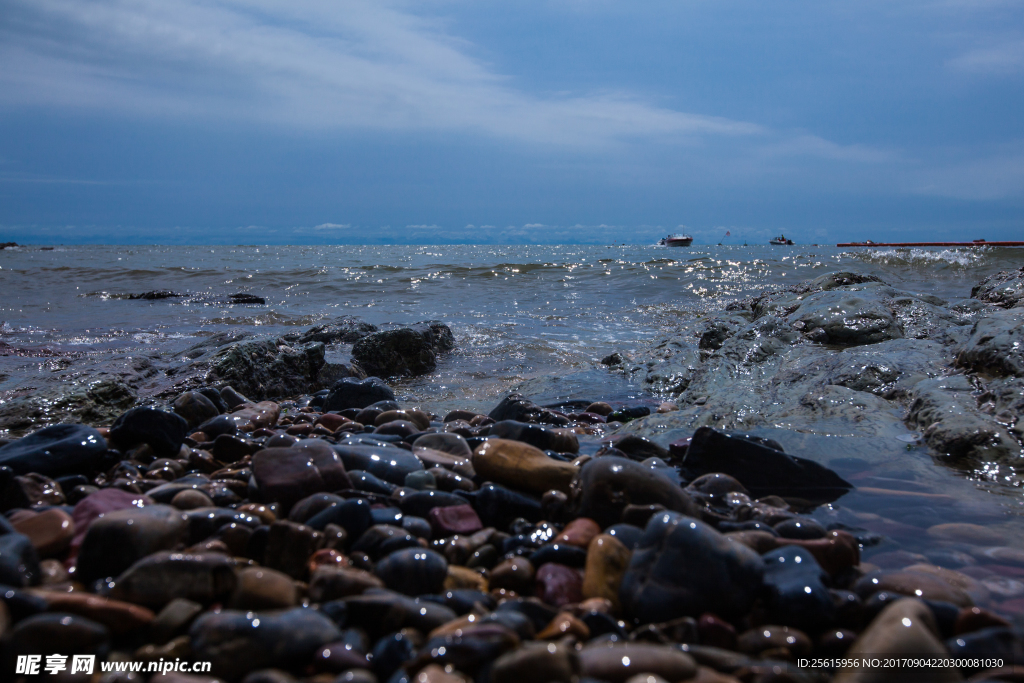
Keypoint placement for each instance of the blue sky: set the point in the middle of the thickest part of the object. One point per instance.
(194, 121)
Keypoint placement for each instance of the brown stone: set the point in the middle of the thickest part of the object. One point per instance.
(912, 584)
(974, 588)
(904, 628)
(120, 617)
(515, 573)
(607, 560)
(521, 466)
(770, 637)
(190, 499)
(332, 583)
(975, 618)
(564, 624)
(434, 673)
(50, 532)
(464, 577)
(760, 542)
(262, 588)
(537, 663)
(836, 553)
(617, 662)
(265, 514)
(579, 532)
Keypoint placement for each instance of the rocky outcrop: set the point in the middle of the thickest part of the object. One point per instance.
(266, 369)
(406, 351)
(1005, 288)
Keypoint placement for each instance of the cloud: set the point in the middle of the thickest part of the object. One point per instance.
(310, 63)
(1005, 57)
(332, 226)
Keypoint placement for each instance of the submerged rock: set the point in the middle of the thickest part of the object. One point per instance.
(54, 451)
(762, 467)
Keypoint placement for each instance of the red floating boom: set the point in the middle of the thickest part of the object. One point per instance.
(975, 243)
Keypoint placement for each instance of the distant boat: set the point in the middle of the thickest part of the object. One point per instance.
(781, 240)
(676, 241)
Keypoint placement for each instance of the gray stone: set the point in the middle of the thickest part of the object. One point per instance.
(996, 345)
(407, 351)
(1005, 288)
(264, 369)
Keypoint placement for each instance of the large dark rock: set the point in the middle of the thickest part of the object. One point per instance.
(55, 451)
(263, 369)
(351, 392)
(407, 351)
(606, 485)
(845, 317)
(163, 432)
(19, 562)
(520, 409)
(1005, 288)
(761, 467)
(344, 330)
(157, 579)
(996, 345)
(56, 633)
(683, 567)
(237, 642)
(195, 408)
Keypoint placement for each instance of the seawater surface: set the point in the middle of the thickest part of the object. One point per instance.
(518, 312)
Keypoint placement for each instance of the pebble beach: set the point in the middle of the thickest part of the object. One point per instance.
(602, 466)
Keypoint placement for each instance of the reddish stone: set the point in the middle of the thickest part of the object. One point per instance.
(326, 557)
(836, 553)
(455, 519)
(338, 657)
(332, 421)
(558, 585)
(301, 429)
(50, 531)
(975, 618)
(579, 532)
(716, 632)
(95, 504)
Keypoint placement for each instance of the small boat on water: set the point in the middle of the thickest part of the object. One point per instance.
(781, 240)
(676, 241)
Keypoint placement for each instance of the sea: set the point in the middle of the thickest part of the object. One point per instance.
(521, 315)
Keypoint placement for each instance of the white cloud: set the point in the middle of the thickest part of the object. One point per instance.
(312, 63)
(1004, 57)
(332, 226)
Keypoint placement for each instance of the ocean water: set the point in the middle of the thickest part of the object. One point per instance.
(518, 312)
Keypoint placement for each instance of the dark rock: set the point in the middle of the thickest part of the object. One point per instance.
(560, 553)
(262, 369)
(29, 491)
(797, 593)
(215, 398)
(381, 611)
(55, 451)
(390, 464)
(683, 567)
(237, 642)
(381, 540)
(421, 503)
(470, 650)
(520, 409)
(1005, 288)
(311, 505)
(289, 546)
(801, 528)
(194, 408)
(120, 538)
(454, 519)
(637, 447)
(353, 515)
(163, 432)
(345, 330)
(155, 295)
(244, 298)
(558, 585)
(845, 317)
(996, 345)
(627, 534)
(19, 562)
(219, 426)
(56, 633)
(161, 577)
(407, 351)
(536, 662)
(606, 485)
(364, 481)
(992, 642)
(617, 662)
(354, 393)
(498, 506)
(413, 571)
(761, 468)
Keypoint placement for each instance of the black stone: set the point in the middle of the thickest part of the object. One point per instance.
(763, 469)
(55, 451)
(354, 393)
(164, 432)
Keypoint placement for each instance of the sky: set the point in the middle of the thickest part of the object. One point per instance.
(536, 121)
